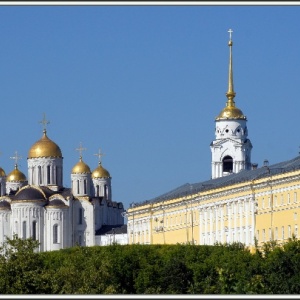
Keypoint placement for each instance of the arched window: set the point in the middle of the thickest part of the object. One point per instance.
(55, 234)
(77, 186)
(84, 186)
(34, 235)
(97, 191)
(105, 191)
(40, 174)
(48, 174)
(227, 164)
(24, 230)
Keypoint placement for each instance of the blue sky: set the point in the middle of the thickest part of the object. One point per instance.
(144, 84)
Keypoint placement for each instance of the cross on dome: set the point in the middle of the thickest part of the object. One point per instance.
(16, 158)
(230, 32)
(45, 122)
(99, 154)
(80, 149)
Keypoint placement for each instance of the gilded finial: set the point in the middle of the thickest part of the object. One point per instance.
(230, 93)
(45, 122)
(99, 154)
(80, 149)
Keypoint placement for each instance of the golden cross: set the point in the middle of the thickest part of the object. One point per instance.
(16, 157)
(99, 154)
(230, 32)
(80, 149)
(44, 122)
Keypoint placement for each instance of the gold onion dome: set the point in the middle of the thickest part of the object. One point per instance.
(16, 175)
(44, 148)
(230, 111)
(81, 168)
(100, 172)
(2, 172)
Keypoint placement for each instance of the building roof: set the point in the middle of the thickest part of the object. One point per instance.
(112, 229)
(242, 176)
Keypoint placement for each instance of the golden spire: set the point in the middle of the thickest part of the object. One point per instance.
(230, 93)
(230, 111)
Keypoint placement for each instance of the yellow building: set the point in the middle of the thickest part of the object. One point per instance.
(241, 203)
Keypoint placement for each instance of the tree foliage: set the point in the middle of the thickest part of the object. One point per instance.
(150, 269)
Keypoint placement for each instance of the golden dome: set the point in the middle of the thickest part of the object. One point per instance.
(231, 112)
(2, 173)
(81, 168)
(44, 148)
(100, 172)
(16, 175)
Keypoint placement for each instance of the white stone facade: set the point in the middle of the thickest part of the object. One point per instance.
(58, 217)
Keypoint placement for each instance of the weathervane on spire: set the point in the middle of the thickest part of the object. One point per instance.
(99, 154)
(80, 149)
(16, 158)
(45, 122)
(230, 32)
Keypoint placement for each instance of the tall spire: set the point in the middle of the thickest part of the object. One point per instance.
(230, 93)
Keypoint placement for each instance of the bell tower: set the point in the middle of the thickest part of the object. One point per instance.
(231, 149)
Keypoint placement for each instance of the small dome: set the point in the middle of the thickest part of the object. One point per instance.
(29, 193)
(2, 173)
(56, 203)
(100, 172)
(16, 175)
(4, 205)
(231, 112)
(81, 168)
(44, 148)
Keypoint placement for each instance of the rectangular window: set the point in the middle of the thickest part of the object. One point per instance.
(264, 235)
(289, 199)
(296, 231)
(263, 203)
(276, 233)
(80, 215)
(289, 231)
(295, 197)
(270, 234)
(282, 232)
(282, 200)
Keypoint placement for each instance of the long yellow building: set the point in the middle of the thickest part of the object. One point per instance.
(241, 203)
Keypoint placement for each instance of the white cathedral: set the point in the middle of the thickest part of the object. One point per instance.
(40, 206)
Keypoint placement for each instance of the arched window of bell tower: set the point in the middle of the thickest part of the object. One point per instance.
(227, 164)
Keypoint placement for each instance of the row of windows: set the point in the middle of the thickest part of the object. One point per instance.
(48, 174)
(278, 200)
(85, 188)
(228, 238)
(279, 233)
(34, 231)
